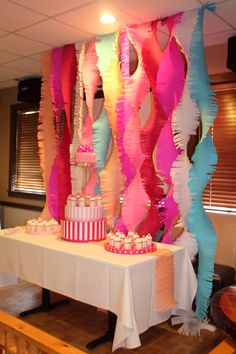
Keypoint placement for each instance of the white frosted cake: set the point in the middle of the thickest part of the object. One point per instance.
(84, 220)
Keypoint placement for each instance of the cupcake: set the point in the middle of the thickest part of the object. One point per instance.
(122, 237)
(149, 239)
(81, 201)
(127, 244)
(117, 242)
(144, 241)
(92, 202)
(111, 240)
(138, 244)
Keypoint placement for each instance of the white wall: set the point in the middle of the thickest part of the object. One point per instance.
(18, 217)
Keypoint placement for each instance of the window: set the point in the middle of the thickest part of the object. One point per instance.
(220, 194)
(25, 177)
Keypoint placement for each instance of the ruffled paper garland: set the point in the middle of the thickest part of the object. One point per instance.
(111, 180)
(132, 161)
(170, 84)
(204, 161)
(46, 131)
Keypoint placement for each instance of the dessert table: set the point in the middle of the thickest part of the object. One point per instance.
(122, 284)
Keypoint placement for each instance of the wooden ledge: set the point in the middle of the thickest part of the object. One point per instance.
(26, 334)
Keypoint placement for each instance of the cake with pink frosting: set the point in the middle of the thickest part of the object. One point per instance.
(40, 226)
(85, 154)
(84, 220)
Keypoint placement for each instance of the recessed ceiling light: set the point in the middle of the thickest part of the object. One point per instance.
(107, 19)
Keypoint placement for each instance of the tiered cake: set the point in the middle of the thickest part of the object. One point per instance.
(84, 219)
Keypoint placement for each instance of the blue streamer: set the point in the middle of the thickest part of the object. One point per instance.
(105, 51)
(204, 161)
(101, 140)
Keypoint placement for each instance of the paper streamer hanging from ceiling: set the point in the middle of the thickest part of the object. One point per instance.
(169, 88)
(142, 167)
(185, 121)
(111, 180)
(151, 56)
(46, 131)
(62, 81)
(204, 161)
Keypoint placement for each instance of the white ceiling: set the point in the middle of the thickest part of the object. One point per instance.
(29, 27)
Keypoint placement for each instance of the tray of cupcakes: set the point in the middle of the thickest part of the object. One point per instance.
(132, 243)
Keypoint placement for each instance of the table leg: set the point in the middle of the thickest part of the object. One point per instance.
(108, 336)
(46, 304)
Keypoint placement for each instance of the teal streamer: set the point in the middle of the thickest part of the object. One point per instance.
(204, 161)
(105, 51)
(101, 140)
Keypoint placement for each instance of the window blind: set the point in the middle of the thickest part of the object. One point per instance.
(28, 174)
(220, 192)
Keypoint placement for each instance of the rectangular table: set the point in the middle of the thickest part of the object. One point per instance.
(122, 284)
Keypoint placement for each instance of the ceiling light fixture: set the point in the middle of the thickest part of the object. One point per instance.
(107, 19)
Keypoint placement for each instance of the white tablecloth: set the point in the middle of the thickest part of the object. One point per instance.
(125, 285)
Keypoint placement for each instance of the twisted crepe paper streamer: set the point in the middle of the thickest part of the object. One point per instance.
(185, 120)
(130, 201)
(124, 111)
(127, 167)
(76, 175)
(68, 79)
(204, 159)
(111, 181)
(90, 76)
(46, 132)
(101, 139)
(131, 156)
(151, 54)
(79, 93)
(57, 100)
(170, 84)
(63, 75)
(100, 130)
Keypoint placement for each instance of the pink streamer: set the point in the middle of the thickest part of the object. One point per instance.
(58, 105)
(170, 84)
(124, 112)
(151, 54)
(90, 75)
(68, 79)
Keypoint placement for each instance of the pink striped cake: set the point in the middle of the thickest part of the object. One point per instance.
(84, 220)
